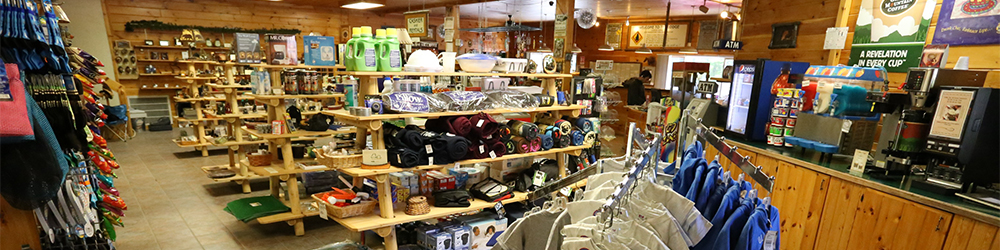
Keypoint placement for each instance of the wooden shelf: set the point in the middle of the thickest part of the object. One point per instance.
(198, 62)
(155, 60)
(286, 216)
(158, 74)
(300, 133)
(359, 172)
(177, 47)
(276, 168)
(241, 116)
(238, 143)
(376, 73)
(212, 98)
(300, 66)
(182, 119)
(316, 96)
(190, 145)
(228, 179)
(227, 86)
(344, 113)
(163, 88)
(374, 221)
(195, 78)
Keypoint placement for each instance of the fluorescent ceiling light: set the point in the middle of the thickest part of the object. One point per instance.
(361, 5)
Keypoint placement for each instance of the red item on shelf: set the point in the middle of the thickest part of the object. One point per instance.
(807, 98)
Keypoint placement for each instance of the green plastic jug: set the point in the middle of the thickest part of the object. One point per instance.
(349, 48)
(365, 58)
(389, 56)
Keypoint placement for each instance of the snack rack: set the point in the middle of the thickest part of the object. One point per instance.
(386, 219)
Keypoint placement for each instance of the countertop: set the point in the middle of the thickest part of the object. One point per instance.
(839, 167)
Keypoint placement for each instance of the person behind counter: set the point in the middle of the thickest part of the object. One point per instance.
(637, 87)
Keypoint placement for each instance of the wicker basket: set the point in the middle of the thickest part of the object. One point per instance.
(337, 161)
(259, 160)
(362, 208)
(417, 205)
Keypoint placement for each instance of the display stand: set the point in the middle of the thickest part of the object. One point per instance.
(194, 84)
(234, 121)
(386, 219)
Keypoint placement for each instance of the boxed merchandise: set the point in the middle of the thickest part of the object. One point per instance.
(319, 50)
(461, 237)
(509, 168)
(282, 49)
(247, 47)
(441, 181)
(484, 229)
(441, 241)
(425, 235)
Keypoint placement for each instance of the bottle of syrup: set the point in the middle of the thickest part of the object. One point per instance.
(782, 81)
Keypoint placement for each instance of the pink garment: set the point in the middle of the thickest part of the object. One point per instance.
(14, 120)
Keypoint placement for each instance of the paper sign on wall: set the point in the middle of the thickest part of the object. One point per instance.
(835, 38)
(859, 162)
(560, 26)
(613, 35)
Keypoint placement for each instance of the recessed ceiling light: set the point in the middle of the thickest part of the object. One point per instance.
(361, 5)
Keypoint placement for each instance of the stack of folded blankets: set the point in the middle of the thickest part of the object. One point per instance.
(481, 131)
(411, 146)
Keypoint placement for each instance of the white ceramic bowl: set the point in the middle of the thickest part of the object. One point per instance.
(477, 65)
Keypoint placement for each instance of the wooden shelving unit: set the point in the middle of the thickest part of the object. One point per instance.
(358, 172)
(196, 100)
(177, 47)
(377, 223)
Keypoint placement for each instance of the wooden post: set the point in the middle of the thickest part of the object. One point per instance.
(843, 14)
(564, 7)
(451, 12)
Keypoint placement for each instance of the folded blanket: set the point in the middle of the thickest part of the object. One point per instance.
(482, 126)
(504, 132)
(524, 129)
(565, 141)
(522, 145)
(536, 144)
(407, 158)
(391, 135)
(457, 125)
(546, 141)
(588, 124)
(411, 139)
(564, 125)
(577, 137)
(487, 150)
(451, 147)
(511, 146)
(590, 138)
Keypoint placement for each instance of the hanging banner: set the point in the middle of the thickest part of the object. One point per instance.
(968, 22)
(416, 23)
(891, 33)
(613, 35)
(652, 36)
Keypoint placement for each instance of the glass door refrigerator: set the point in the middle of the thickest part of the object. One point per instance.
(751, 99)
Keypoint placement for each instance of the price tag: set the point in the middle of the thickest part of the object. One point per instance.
(482, 149)
(539, 178)
(565, 191)
(480, 123)
(770, 240)
(322, 211)
(500, 211)
(430, 160)
(430, 150)
(846, 126)
(859, 162)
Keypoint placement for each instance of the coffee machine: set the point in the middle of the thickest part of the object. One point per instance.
(908, 117)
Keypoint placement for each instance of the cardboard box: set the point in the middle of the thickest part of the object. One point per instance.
(319, 50)
(282, 49)
(248, 48)
(484, 229)
(461, 237)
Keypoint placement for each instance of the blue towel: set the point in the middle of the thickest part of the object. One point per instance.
(577, 137)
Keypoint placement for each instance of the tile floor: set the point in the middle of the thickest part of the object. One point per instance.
(173, 205)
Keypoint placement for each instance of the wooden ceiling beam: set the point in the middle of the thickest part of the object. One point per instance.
(402, 9)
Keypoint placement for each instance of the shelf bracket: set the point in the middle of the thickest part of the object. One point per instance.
(381, 178)
(293, 222)
(385, 231)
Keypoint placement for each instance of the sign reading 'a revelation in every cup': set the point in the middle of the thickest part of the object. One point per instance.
(891, 33)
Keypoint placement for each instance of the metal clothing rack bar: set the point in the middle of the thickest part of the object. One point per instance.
(640, 164)
(743, 162)
(561, 183)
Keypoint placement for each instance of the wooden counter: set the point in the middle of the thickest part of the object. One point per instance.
(823, 206)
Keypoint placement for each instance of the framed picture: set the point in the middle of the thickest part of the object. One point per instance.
(164, 43)
(784, 35)
(651, 35)
(149, 42)
(153, 55)
(416, 23)
(163, 56)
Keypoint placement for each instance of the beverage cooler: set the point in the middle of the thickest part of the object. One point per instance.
(751, 95)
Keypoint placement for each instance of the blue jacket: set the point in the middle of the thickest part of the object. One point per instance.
(731, 230)
(762, 220)
(688, 173)
(716, 196)
(730, 202)
(708, 183)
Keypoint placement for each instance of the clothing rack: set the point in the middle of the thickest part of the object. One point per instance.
(561, 183)
(743, 162)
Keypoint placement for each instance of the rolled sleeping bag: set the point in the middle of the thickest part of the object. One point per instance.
(482, 126)
(546, 141)
(590, 138)
(565, 141)
(403, 157)
(524, 129)
(522, 145)
(577, 137)
(536, 144)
